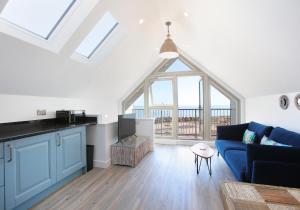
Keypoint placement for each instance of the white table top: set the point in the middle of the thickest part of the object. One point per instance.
(203, 150)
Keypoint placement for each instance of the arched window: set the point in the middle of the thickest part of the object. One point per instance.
(185, 102)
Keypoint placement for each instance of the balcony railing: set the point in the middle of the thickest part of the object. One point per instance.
(219, 117)
(190, 121)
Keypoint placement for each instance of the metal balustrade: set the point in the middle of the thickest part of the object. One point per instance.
(190, 121)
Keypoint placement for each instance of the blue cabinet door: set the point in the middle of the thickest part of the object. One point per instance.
(2, 198)
(30, 167)
(71, 152)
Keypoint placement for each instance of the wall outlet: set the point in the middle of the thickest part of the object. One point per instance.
(41, 112)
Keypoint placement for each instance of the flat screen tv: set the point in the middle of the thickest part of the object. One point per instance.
(126, 126)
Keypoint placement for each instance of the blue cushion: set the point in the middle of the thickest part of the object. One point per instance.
(284, 136)
(236, 160)
(260, 130)
(223, 145)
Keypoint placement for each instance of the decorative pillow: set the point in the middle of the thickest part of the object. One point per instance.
(266, 141)
(249, 137)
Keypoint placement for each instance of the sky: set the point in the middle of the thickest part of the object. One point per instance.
(188, 91)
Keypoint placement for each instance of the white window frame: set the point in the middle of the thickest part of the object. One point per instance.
(159, 73)
(53, 28)
(102, 41)
(62, 33)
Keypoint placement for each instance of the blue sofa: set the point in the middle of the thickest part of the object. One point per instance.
(261, 164)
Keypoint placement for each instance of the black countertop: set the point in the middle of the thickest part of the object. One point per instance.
(18, 130)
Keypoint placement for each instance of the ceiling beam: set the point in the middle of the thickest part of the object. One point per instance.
(2, 4)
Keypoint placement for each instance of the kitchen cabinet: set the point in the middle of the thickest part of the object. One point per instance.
(71, 152)
(30, 167)
(2, 202)
(34, 164)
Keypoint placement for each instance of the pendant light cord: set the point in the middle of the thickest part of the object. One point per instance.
(168, 28)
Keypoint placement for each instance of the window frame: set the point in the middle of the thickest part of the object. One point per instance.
(151, 104)
(51, 31)
(64, 31)
(195, 71)
(102, 41)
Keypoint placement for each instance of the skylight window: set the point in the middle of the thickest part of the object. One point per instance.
(40, 17)
(97, 36)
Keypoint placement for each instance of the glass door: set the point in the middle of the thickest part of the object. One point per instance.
(161, 103)
(190, 107)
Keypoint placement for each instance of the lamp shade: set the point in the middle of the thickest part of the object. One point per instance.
(168, 50)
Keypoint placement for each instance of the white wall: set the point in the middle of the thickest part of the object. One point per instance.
(22, 108)
(102, 136)
(266, 110)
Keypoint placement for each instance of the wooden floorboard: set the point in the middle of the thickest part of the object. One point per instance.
(165, 179)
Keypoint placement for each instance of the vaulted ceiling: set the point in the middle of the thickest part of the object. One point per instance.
(252, 46)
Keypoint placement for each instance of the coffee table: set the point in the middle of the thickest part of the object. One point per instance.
(204, 151)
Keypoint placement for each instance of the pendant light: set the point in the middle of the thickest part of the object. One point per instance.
(168, 50)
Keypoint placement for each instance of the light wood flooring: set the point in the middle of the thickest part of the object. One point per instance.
(165, 179)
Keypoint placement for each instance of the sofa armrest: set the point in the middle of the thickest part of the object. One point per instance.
(257, 152)
(232, 132)
(276, 173)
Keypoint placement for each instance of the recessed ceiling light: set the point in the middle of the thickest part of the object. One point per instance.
(141, 21)
(186, 14)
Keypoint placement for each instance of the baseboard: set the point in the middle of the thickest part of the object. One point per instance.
(164, 141)
(182, 142)
(102, 163)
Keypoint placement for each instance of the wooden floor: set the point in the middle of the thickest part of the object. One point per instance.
(165, 179)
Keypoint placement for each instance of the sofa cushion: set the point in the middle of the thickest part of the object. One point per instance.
(249, 137)
(260, 130)
(236, 160)
(284, 136)
(224, 145)
(266, 141)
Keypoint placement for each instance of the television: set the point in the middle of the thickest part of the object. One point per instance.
(126, 126)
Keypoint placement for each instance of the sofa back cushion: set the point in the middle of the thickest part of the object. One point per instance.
(284, 136)
(260, 130)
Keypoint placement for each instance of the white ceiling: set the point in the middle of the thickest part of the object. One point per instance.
(252, 46)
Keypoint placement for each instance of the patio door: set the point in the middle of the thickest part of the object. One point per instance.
(161, 106)
(190, 107)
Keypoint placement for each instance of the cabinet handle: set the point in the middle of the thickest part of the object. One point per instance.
(58, 140)
(10, 153)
